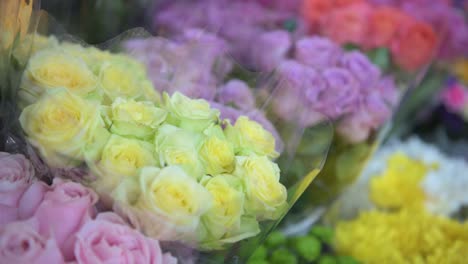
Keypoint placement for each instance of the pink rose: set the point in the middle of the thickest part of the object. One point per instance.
(8, 214)
(16, 174)
(348, 24)
(31, 199)
(21, 243)
(63, 211)
(108, 240)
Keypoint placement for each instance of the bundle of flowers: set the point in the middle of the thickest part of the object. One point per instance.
(60, 223)
(196, 64)
(315, 76)
(403, 236)
(238, 22)
(170, 166)
(410, 193)
(320, 77)
(431, 180)
(446, 19)
(411, 41)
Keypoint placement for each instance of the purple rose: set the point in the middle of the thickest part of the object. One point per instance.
(237, 93)
(361, 67)
(194, 65)
(341, 93)
(296, 97)
(270, 49)
(317, 52)
(368, 116)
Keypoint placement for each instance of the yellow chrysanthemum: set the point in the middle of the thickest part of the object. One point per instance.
(399, 185)
(405, 236)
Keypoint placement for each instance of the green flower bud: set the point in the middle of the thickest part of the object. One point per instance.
(283, 256)
(327, 260)
(308, 247)
(275, 239)
(325, 234)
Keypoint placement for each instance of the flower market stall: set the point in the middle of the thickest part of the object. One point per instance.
(248, 131)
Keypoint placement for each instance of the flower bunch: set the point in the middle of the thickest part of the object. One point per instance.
(412, 42)
(60, 224)
(432, 181)
(446, 19)
(320, 77)
(412, 189)
(238, 22)
(171, 166)
(196, 64)
(193, 64)
(405, 236)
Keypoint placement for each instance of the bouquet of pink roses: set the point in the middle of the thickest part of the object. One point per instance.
(59, 223)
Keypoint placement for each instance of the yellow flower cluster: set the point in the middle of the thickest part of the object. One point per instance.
(399, 185)
(170, 162)
(401, 230)
(405, 236)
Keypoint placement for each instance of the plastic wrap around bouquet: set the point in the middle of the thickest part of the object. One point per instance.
(172, 166)
(358, 87)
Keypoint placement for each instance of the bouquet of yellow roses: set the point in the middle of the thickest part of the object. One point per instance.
(168, 164)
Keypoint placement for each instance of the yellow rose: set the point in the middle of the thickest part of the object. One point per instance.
(121, 157)
(61, 124)
(175, 146)
(250, 137)
(93, 57)
(266, 196)
(173, 195)
(190, 114)
(228, 205)
(150, 93)
(31, 44)
(53, 68)
(118, 78)
(216, 152)
(136, 119)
